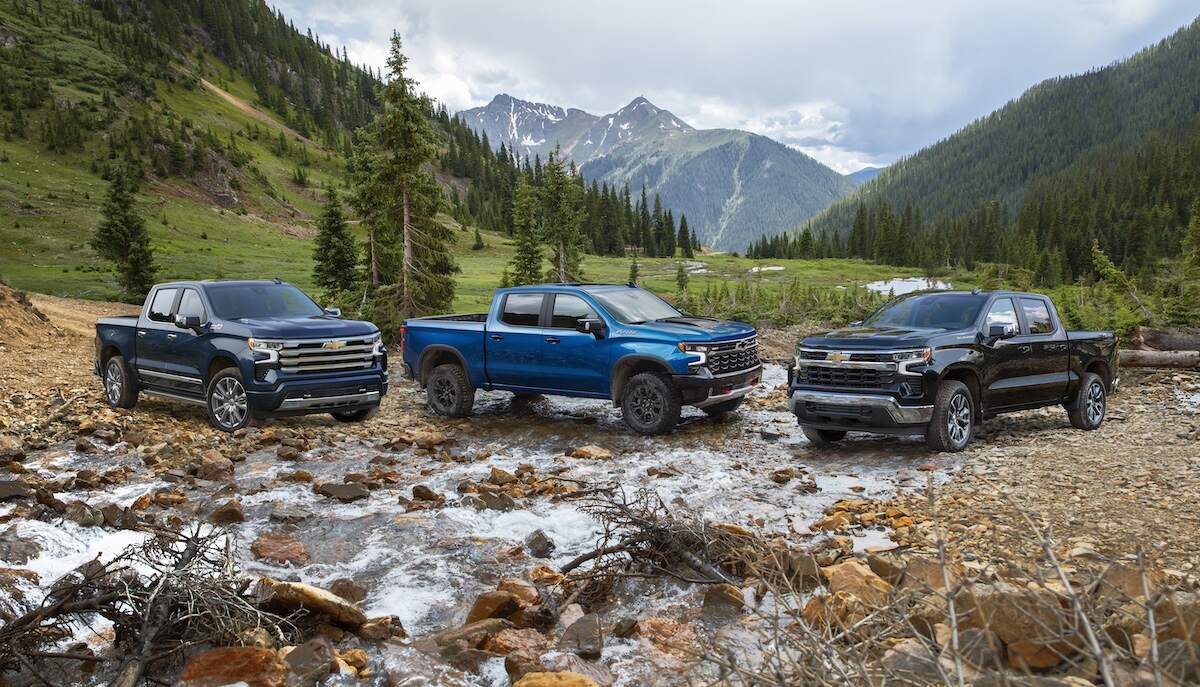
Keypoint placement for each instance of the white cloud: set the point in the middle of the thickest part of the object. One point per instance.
(852, 83)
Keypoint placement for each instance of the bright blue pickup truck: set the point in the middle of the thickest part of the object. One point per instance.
(242, 349)
(593, 341)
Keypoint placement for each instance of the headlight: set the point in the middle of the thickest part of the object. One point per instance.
(377, 342)
(693, 348)
(264, 345)
(923, 354)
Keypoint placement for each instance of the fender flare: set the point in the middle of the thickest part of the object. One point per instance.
(429, 352)
(617, 378)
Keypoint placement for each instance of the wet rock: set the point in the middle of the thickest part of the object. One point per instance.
(234, 665)
(311, 662)
(426, 439)
(591, 452)
(14, 489)
(290, 514)
(11, 448)
(723, 598)
(381, 629)
(539, 544)
(16, 549)
(912, 662)
(839, 610)
(667, 634)
(584, 637)
(296, 595)
(570, 664)
(85, 445)
(493, 604)
(1038, 631)
(838, 520)
(228, 513)
(214, 467)
(545, 575)
(287, 453)
(525, 593)
(856, 579)
(346, 493)
(117, 516)
(625, 627)
(563, 679)
(500, 477)
(568, 615)
(421, 492)
(349, 590)
(84, 515)
(279, 547)
(472, 634)
(521, 648)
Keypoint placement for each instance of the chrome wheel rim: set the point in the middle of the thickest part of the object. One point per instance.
(647, 405)
(958, 419)
(228, 402)
(1093, 403)
(114, 379)
(444, 393)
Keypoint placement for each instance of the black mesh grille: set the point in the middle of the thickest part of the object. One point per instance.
(734, 360)
(845, 377)
(844, 411)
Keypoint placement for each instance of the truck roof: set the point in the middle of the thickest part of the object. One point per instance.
(209, 282)
(590, 288)
(996, 292)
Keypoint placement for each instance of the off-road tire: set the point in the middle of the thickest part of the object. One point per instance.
(718, 410)
(359, 415)
(227, 402)
(822, 437)
(953, 403)
(124, 392)
(1088, 410)
(449, 392)
(650, 403)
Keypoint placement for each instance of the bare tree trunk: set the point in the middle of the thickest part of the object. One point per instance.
(374, 260)
(562, 261)
(1184, 359)
(1168, 339)
(408, 255)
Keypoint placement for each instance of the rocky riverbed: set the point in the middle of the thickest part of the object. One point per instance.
(430, 525)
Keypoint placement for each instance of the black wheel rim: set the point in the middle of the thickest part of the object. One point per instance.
(1093, 404)
(647, 405)
(443, 393)
(114, 379)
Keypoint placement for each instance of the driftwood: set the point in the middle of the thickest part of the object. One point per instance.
(1167, 339)
(1181, 359)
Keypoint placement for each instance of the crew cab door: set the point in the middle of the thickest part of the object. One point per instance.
(576, 361)
(514, 342)
(151, 338)
(1004, 360)
(187, 349)
(1044, 342)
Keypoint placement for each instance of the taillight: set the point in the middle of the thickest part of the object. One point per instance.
(403, 338)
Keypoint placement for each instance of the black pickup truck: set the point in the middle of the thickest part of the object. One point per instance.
(938, 363)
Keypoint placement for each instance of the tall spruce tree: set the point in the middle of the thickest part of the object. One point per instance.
(685, 238)
(121, 237)
(409, 264)
(335, 252)
(681, 285)
(633, 270)
(562, 220)
(1191, 238)
(527, 258)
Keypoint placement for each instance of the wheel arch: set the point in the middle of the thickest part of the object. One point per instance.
(629, 366)
(439, 354)
(1101, 369)
(218, 362)
(970, 377)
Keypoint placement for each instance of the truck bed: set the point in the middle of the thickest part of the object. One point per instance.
(119, 320)
(473, 317)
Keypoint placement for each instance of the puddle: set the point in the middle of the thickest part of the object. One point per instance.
(901, 286)
(766, 268)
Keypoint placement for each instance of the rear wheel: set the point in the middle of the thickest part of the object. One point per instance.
(449, 391)
(716, 410)
(822, 437)
(356, 415)
(120, 386)
(953, 422)
(228, 405)
(1090, 406)
(650, 404)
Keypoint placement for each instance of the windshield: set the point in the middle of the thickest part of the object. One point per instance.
(930, 311)
(635, 306)
(238, 301)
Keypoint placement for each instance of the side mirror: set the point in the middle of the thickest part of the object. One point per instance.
(336, 312)
(593, 326)
(187, 321)
(1001, 331)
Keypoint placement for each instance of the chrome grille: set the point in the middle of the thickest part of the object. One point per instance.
(326, 355)
(733, 356)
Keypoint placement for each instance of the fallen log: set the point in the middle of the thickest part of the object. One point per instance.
(1167, 339)
(1181, 359)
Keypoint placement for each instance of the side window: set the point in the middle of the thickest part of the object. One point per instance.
(568, 310)
(1037, 316)
(190, 304)
(160, 307)
(1003, 312)
(522, 309)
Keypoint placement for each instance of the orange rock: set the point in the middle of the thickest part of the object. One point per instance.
(858, 580)
(545, 575)
(525, 593)
(233, 665)
(494, 604)
(565, 679)
(279, 547)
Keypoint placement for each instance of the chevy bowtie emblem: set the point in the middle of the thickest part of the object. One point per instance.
(334, 345)
(838, 357)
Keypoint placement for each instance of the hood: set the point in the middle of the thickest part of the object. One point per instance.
(872, 338)
(316, 327)
(687, 328)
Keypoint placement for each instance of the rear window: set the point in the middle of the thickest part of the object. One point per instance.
(1037, 316)
(522, 309)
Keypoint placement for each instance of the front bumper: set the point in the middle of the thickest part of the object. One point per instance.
(858, 412)
(306, 396)
(701, 390)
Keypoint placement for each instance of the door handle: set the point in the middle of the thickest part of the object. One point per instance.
(1025, 349)
(551, 339)
(141, 332)
(496, 337)
(172, 337)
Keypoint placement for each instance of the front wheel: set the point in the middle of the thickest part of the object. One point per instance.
(356, 415)
(717, 410)
(822, 437)
(953, 422)
(228, 407)
(1088, 410)
(120, 387)
(449, 391)
(650, 404)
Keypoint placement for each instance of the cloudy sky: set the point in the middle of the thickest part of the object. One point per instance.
(851, 82)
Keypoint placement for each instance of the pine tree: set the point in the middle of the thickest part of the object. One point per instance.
(479, 244)
(681, 285)
(1191, 239)
(527, 258)
(335, 252)
(562, 220)
(122, 238)
(685, 238)
(409, 264)
(633, 270)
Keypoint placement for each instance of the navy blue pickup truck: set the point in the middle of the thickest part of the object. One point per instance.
(242, 349)
(616, 342)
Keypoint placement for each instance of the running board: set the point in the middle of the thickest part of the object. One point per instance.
(174, 397)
